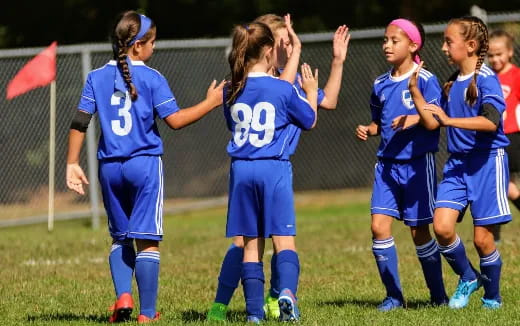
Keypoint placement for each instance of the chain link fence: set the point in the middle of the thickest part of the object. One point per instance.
(195, 159)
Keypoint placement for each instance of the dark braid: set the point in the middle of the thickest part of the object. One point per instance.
(125, 29)
(473, 28)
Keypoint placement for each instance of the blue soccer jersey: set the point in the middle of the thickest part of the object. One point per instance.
(321, 96)
(128, 129)
(456, 106)
(391, 98)
(266, 119)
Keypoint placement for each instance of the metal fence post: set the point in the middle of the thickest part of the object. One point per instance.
(91, 151)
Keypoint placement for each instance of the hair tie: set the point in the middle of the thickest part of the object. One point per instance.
(145, 26)
(246, 26)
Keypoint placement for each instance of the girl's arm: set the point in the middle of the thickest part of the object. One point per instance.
(339, 51)
(185, 117)
(478, 123)
(426, 118)
(363, 132)
(75, 177)
(291, 67)
(310, 86)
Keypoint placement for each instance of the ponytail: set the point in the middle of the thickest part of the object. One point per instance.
(249, 44)
(126, 29)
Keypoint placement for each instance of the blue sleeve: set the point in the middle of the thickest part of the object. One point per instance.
(300, 111)
(375, 106)
(491, 93)
(163, 101)
(431, 90)
(87, 102)
(321, 95)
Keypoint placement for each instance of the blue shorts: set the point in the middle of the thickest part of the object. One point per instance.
(405, 189)
(479, 180)
(133, 197)
(261, 202)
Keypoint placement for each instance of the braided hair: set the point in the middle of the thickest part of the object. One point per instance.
(126, 28)
(472, 28)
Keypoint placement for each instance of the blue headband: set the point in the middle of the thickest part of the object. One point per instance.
(145, 26)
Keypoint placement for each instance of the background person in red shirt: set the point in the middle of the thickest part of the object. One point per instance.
(500, 54)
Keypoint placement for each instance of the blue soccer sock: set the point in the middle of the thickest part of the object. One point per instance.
(253, 283)
(147, 277)
(430, 259)
(455, 254)
(122, 264)
(490, 266)
(288, 266)
(274, 291)
(386, 259)
(230, 272)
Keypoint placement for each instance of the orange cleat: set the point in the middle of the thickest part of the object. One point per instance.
(122, 308)
(142, 319)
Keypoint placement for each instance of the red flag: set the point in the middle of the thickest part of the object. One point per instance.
(38, 72)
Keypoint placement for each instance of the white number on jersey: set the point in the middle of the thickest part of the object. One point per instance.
(250, 119)
(123, 112)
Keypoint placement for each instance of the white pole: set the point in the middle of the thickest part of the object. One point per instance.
(52, 155)
(91, 152)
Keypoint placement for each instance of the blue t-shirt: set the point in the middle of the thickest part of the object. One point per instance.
(456, 106)
(128, 128)
(266, 119)
(391, 98)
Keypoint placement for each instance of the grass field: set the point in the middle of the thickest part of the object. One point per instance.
(62, 278)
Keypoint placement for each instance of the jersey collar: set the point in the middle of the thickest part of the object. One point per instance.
(134, 63)
(405, 76)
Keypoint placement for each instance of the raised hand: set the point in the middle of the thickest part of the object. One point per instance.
(295, 41)
(76, 178)
(309, 81)
(415, 76)
(340, 43)
(215, 93)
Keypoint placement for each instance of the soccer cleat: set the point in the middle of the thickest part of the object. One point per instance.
(390, 303)
(271, 307)
(122, 308)
(253, 319)
(217, 312)
(460, 298)
(491, 303)
(288, 307)
(142, 319)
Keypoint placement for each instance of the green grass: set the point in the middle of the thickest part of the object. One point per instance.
(62, 278)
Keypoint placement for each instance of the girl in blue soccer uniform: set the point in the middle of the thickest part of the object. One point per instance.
(286, 55)
(264, 114)
(128, 96)
(405, 182)
(476, 173)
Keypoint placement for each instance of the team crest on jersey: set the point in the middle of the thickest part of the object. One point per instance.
(407, 100)
(506, 90)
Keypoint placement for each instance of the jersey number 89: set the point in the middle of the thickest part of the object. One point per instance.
(248, 119)
(122, 129)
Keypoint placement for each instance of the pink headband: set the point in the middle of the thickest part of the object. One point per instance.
(412, 31)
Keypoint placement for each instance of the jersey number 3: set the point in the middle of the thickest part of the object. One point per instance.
(248, 119)
(122, 128)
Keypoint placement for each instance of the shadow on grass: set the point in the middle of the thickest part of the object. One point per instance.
(198, 316)
(67, 317)
(410, 304)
